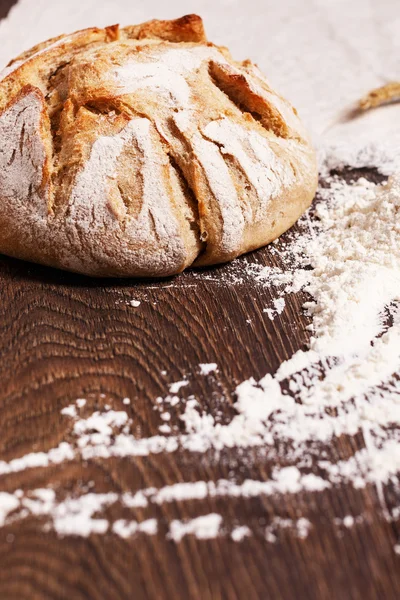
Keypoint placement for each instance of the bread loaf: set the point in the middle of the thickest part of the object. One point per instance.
(138, 152)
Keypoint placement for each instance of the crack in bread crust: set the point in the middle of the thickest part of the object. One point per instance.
(235, 85)
(143, 150)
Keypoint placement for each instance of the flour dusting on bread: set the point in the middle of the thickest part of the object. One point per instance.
(166, 72)
(257, 160)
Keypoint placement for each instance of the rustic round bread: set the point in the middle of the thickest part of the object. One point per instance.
(138, 152)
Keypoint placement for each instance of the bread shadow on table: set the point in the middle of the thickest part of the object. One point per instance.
(20, 271)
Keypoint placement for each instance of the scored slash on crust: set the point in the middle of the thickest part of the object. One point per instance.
(155, 150)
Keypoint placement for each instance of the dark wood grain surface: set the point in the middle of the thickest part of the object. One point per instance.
(5, 6)
(64, 337)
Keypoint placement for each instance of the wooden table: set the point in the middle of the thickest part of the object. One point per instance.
(64, 337)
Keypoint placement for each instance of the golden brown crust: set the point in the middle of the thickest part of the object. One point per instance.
(186, 29)
(236, 86)
(141, 151)
(382, 95)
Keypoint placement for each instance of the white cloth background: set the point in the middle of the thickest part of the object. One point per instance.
(322, 54)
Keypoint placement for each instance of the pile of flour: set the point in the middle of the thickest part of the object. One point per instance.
(348, 261)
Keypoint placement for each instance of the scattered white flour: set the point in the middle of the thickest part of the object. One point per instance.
(63, 452)
(278, 308)
(285, 480)
(70, 411)
(301, 526)
(164, 428)
(204, 528)
(178, 385)
(348, 521)
(240, 533)
(127, 529)
(99, 428)
(8, 503)
(72, 516)
(80, 516)
(207, 368)
(134, 303)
